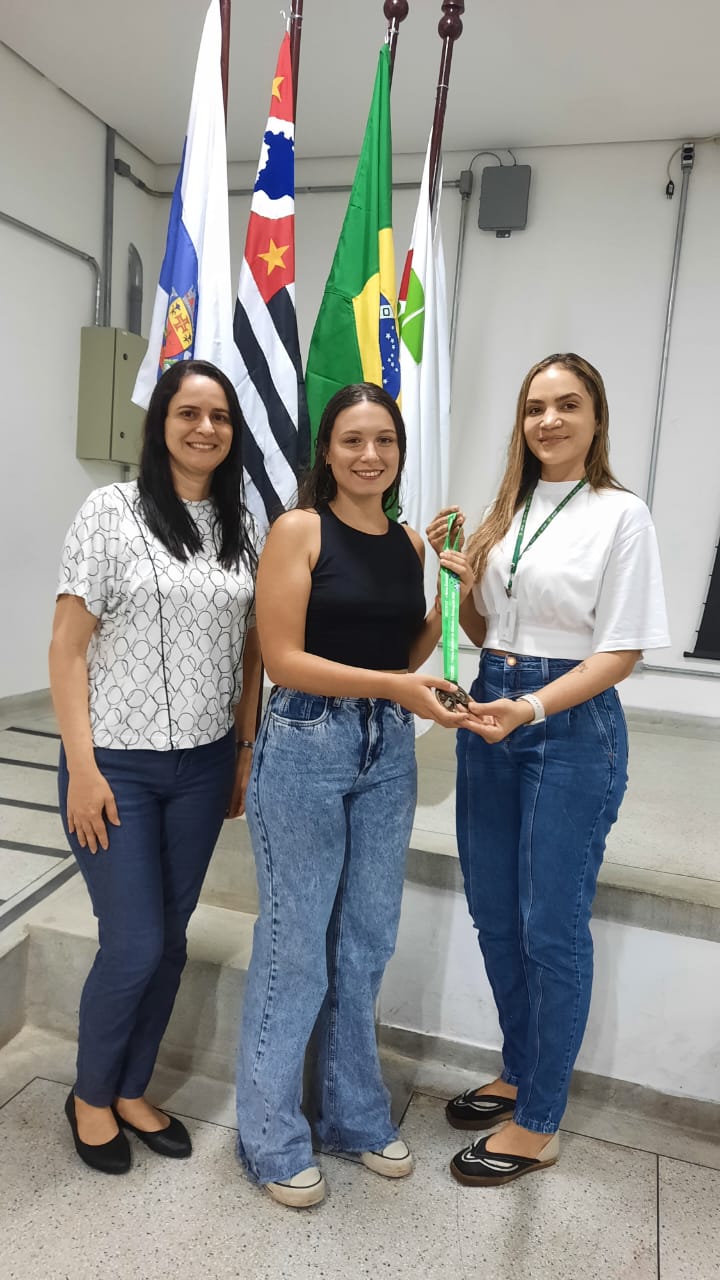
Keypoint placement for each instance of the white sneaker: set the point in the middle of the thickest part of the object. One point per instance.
(394, 1161)
(300, 1191)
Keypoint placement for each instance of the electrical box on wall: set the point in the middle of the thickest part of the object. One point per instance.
(504, 193)
(109, 425)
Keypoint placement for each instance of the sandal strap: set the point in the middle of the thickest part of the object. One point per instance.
(494, 1163)
(485, 1102)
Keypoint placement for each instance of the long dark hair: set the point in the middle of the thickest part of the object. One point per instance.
(318, 486)
(164, 512)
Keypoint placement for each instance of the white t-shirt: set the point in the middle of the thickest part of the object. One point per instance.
(165, 661)
(591, 583)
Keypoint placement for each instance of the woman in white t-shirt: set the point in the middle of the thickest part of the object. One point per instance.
(568, 594)
(155, 675)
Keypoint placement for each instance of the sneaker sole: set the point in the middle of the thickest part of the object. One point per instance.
(389, 1168)
(297, 1197)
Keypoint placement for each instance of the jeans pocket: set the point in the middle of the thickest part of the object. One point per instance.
(401, 713)
(620, 722)
(596, 708)
(484, 690)
(301, 710)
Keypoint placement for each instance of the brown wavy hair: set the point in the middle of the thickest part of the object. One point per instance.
(523, 468)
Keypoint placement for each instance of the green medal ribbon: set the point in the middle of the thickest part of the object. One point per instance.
(519, 551)
(450, 608)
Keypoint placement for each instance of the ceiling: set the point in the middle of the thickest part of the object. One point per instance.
(524, 73)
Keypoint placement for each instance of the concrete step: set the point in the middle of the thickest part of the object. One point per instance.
(60, 944)
(654, 1022)
(665, 901)
(660, 870)
(597, 1109)
(653, 1027)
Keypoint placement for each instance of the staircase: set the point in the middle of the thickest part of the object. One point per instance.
(653, 1042)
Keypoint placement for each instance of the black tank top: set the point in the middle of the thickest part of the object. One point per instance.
(367, 601)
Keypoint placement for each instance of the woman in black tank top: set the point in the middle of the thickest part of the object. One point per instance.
(330, 806)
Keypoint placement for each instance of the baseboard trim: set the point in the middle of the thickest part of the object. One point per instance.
(587, 1089)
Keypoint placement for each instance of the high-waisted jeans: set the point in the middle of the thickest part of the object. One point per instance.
(533, 814)
(143, 889)
(330, 809)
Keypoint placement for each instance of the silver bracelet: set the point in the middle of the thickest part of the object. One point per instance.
(537, 706)
(243, 744)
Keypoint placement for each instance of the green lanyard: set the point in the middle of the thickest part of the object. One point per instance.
(450, 608)
(519, 551)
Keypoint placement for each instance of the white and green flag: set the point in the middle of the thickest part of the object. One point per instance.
(425, 371)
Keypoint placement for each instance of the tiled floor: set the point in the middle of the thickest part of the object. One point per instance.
(605, 1212)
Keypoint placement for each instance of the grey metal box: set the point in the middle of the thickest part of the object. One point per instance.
(504, 193)
(109, 425)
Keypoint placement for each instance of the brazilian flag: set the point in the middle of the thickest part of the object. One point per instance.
(355, 338)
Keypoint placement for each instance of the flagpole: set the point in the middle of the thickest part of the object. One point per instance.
(225, 7)
(296, 17)
(396, 11)
(450, 29)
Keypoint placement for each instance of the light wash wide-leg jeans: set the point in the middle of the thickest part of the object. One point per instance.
(330, 809)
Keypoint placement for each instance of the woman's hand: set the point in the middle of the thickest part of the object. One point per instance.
(493, 721)
(242, 777)
(89, 797)
(416, 692)
(436, 531)
(458, 563)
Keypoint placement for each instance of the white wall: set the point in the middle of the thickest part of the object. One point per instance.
(589, 273)
(652, 1020)
(52, 158)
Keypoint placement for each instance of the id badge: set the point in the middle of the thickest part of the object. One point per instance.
(508, 623)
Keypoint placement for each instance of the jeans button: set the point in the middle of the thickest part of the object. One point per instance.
(511, 661)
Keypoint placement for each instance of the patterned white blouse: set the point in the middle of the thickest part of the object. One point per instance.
(165, 661)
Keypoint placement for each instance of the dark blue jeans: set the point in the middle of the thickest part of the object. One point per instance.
(143, 889)
(533, 814)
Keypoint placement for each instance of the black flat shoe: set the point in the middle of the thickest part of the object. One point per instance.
(478, 1167)
(174, 1141)
(473, 1110)
(109, 1157)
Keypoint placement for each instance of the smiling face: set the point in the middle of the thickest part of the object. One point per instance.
(364, 453)
(198, 434)
(559, 423)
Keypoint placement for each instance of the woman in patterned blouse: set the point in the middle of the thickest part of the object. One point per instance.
(155, 673)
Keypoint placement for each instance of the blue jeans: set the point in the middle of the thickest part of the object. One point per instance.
(330, 809)
(533, 814)
(143, 889)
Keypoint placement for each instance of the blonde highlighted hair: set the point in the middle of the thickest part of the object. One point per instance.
(523, 468)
